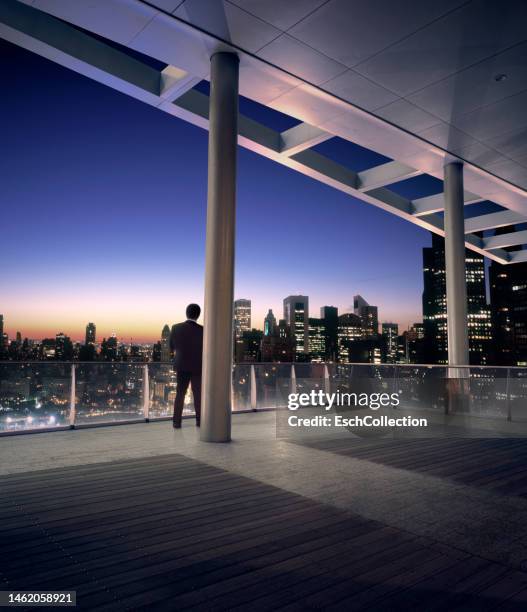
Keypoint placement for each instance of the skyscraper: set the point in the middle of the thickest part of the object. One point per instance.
(278, 345)
(508, 300)
(90, 333)
(165, 343)
(269, 324)
(1, 333)
(368, 315)
(435, 306)
(296, 315)
(349, 331)
(317, 339)
(330, 315)
(390, 333)
(247, 347)
(63, 347)
(242, 317)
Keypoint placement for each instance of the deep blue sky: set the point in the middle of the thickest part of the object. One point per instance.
(103, 218)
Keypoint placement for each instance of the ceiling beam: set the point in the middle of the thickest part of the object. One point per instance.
(502, 241)
(385, 174)
(436, 203)
(493, 220)
(518, 256)
(175, 82)
(61, 43)
(301, 137)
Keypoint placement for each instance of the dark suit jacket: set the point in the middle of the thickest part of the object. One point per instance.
(186, 340)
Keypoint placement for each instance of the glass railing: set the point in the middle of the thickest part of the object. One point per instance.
(53, 395)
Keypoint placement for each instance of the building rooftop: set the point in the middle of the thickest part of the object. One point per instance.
(141, 515)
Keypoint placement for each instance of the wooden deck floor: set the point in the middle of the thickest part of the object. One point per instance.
(499, 465)
(172, 533)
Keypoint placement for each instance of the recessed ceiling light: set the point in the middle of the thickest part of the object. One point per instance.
(500, 77)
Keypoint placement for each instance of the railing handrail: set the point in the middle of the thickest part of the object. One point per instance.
(271, 363)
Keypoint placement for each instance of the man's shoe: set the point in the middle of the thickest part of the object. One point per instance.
(176, 425)
(197, 423)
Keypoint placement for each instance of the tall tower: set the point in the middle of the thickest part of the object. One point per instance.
(296, 315)
(242, 317)
(3, 339)
(269, 324)
(90, 333)
(368, 315)
(435, 307)
(508, 301)
(165, 343)
(330, 315)
(390, 334)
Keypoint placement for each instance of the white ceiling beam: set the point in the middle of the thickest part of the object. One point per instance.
(436, 203)
(301, 137)
(175, 82)
(518, 256)
(493, 220)
(502, 241)
(65, 45)
(385, 174)
(391, 198)
(324, 166)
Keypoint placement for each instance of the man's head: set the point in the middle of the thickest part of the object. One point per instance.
(193, 312)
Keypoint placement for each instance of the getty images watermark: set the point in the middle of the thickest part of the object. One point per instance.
(345, 402)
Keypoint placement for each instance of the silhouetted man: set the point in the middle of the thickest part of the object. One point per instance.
(186, 340)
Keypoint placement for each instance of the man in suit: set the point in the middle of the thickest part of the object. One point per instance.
(186, 341)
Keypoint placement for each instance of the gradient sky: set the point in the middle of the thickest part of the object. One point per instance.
(103, 218)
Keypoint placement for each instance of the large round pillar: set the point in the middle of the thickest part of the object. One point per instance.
(219, 259)
(456, 283)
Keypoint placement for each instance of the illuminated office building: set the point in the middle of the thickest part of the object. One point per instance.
(279, 344)
(296, 315)
(165, 343)
(508, 299)
(242, 317)
(317, 339)
(349, 330)
(390, 333)
(269, 324)
(330, 315)
(435, 307)
(90, 333)
(368, 315)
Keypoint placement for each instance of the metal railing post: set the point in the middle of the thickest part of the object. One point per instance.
(293, 378)
(253, 388)
(146, 393)
(508, 391)
(327, 384)
(72, 398)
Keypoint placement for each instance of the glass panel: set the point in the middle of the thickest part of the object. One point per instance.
(108, 392)
(422, 388)
(488, 392)
(267, 377)
(517, 392)
(34, 395)
(162, 379)
(241, 387)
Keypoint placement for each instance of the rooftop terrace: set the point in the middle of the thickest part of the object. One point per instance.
(144, 516)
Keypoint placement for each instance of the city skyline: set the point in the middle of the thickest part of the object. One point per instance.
(107, 332)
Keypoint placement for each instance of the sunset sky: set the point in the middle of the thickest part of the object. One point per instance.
(103, 219)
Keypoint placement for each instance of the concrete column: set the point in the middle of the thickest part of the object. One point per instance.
(219, 259)
(456, 284)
